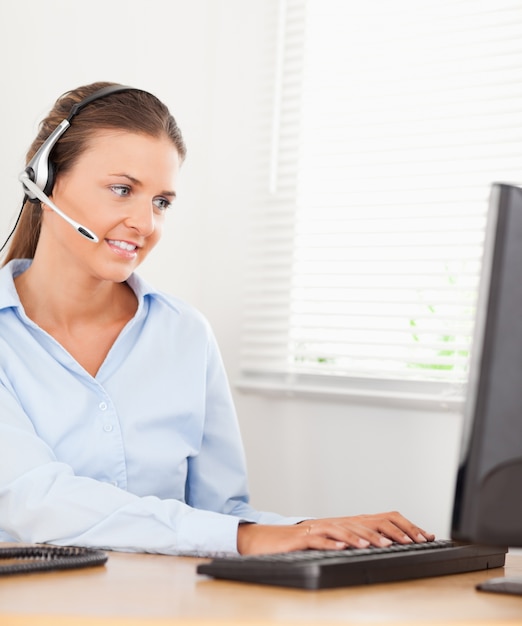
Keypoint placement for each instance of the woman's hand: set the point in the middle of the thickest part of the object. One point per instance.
(334, 533)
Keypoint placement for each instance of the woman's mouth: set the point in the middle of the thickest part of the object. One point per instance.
(123, 248)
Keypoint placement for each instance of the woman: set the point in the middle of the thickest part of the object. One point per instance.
(117, 428)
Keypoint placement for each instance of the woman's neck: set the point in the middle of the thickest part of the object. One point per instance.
(74, 309)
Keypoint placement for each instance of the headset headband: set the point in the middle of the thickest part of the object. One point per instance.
(40, 169)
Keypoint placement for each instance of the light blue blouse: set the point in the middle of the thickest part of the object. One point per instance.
(146, 456)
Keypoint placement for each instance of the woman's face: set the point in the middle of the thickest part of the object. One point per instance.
(120, 187)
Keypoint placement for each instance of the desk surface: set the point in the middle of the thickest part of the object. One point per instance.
(135, 589)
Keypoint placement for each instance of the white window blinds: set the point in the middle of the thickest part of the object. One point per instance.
(384, 124)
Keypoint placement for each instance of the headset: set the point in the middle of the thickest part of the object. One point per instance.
(38, 177)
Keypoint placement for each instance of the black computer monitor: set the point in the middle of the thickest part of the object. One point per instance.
(488, 494)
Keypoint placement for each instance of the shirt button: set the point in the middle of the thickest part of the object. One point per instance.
(102, 406)
(107, 428)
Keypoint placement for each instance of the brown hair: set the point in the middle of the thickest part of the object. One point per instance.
(133, 110)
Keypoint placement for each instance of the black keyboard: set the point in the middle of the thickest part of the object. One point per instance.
(318, 569)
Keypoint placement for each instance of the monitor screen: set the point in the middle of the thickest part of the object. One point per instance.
(488, 495)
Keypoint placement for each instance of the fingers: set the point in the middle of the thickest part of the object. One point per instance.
(379, 530)
(338, 536)
(348, 533)
(397, 528)
(331, 534)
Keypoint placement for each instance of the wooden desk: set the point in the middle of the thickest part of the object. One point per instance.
(138, 589)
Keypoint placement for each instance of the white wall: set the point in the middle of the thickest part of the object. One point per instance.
(312, 456)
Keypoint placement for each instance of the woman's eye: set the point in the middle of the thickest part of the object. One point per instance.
(121, 190)
(162, 204)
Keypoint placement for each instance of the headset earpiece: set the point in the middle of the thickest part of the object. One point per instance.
(40, 168)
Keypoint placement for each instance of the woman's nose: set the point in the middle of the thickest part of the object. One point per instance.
(142, 219)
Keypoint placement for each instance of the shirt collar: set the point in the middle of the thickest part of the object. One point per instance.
(9, 295)
(142, 289)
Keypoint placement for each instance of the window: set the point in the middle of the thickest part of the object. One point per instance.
(386, 124)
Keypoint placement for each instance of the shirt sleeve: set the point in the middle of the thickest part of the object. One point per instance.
(217, 474)
(43, 501)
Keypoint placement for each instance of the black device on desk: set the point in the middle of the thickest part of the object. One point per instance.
(487, 507)
(488, 502)
(323, 569)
